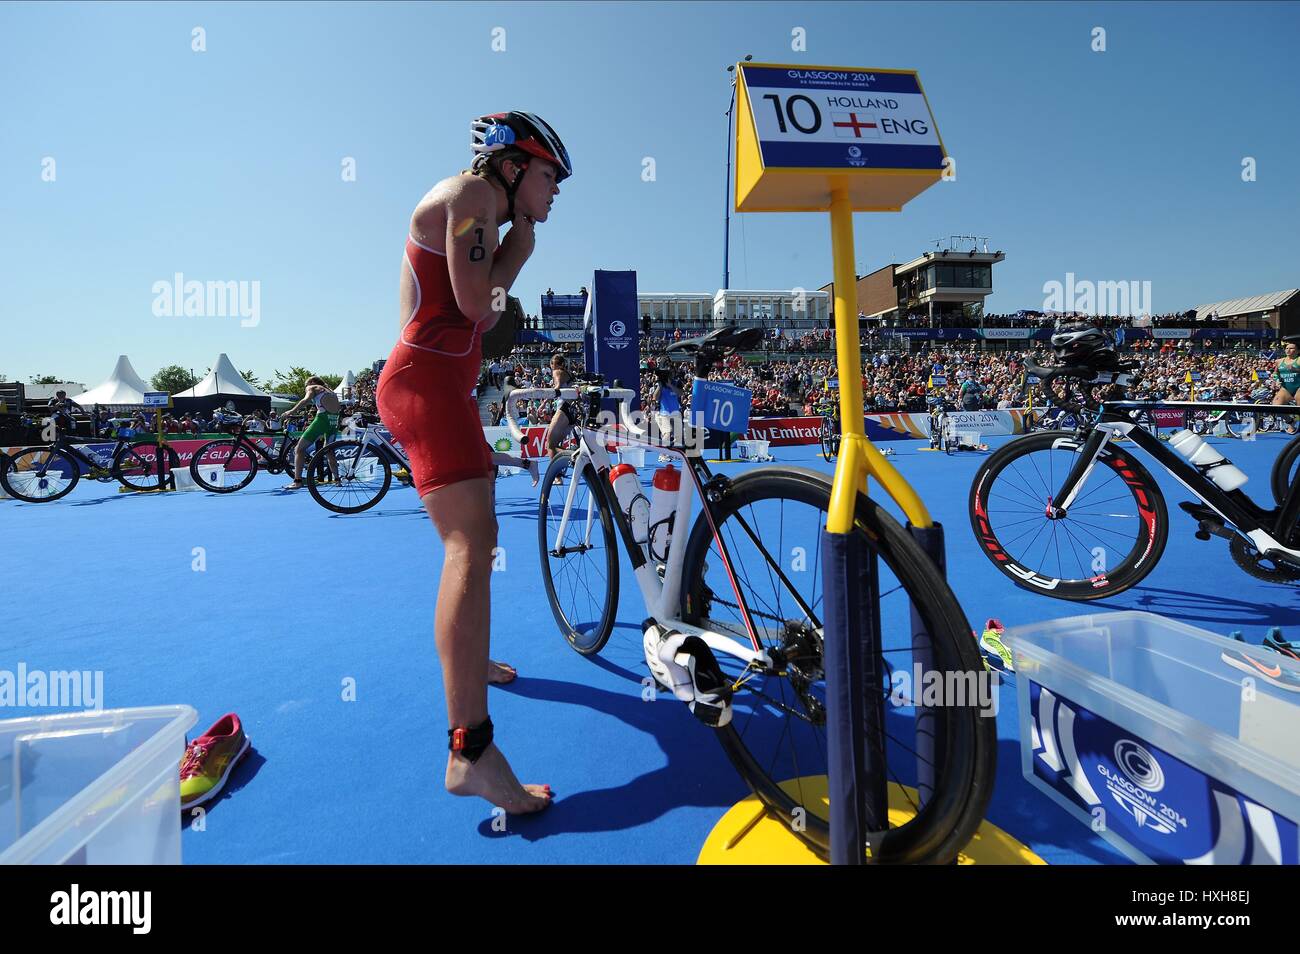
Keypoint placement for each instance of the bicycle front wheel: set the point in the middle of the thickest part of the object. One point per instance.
(348, 476)
(579, 555)
(1285, 471)
(773, 524)
(223, 466)
(136, 466)
(828, 452)
(39, 474)
(1110, 538)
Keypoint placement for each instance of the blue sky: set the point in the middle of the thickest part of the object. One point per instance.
(225, 165)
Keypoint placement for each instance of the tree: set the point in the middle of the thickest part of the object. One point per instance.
(294, 381)
(173, 379)
(251, 378)
(45, 379)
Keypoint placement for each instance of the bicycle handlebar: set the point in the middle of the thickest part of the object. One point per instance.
(622, 395)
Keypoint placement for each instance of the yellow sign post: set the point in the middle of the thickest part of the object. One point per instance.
(839, 140)
(844, 140)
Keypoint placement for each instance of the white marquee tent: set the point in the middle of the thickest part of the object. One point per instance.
(123, 387)
(222, 379)
(344, 390)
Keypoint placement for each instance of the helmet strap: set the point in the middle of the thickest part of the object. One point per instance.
(510, 187)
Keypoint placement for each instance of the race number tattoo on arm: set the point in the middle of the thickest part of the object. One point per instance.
(477, 252)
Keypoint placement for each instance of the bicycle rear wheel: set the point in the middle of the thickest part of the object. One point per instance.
(136, 465)
(363, 476)
(777, 735)
(580, 565)
(223, 466)
(39, 474)
(1111, 537)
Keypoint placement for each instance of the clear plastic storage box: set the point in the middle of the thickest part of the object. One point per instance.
(1174, 744)
(93, 787)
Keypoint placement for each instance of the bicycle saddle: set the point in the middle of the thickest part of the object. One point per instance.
(726, 340)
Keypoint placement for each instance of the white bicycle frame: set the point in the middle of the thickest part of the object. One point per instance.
(662, 597)
(371, 436)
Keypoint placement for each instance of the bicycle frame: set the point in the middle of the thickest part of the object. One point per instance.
(1261, 527)
(662, 598)
(370, 437)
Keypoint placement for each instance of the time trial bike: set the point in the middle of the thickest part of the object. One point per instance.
(49, 472)
(746, 579)
(1069, 514)
(227, 464)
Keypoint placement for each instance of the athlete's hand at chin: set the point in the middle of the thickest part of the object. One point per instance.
(521, 239)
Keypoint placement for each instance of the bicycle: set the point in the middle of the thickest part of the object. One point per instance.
(363, 468)
(239, 454)
(45, 473)
(1069, 515)
(829, 438)
(720, 580)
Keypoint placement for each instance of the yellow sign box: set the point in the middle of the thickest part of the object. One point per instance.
(805, 130)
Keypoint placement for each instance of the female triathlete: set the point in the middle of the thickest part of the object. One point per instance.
(453, 289)
(323, 426)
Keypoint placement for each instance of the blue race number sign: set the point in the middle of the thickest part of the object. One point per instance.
(720, 406)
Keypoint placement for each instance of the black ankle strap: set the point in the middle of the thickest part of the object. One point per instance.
(471, 741)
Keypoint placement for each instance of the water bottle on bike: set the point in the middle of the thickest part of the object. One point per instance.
(1208, 460)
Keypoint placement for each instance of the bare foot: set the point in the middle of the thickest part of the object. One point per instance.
(491, 778)
(500, 673)
(532, 470)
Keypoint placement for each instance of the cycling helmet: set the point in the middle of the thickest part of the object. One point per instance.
(1083, 344)
(493, 132)
(527, 131)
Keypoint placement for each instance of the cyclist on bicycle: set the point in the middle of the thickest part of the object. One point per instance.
(323, 426)
(454, 263)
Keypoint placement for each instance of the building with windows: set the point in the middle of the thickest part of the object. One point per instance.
(945, 286)
(1278, 312)
(799, 309)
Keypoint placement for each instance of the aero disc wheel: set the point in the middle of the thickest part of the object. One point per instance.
(1111, 537)
(776, 738)
(223, 466)
(136, 465)
(39, 474)
(347, 476)
(579, 555)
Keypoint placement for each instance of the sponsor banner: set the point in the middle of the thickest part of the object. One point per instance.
(785, 431)
(903, 425)
(1162, 333)
(1165, 808)
(102, 452)
(503, 442)
(1008, 332)
(1169, 417)
(569, 336)
(914, 332)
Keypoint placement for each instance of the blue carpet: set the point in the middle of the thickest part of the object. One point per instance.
(294, 601)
